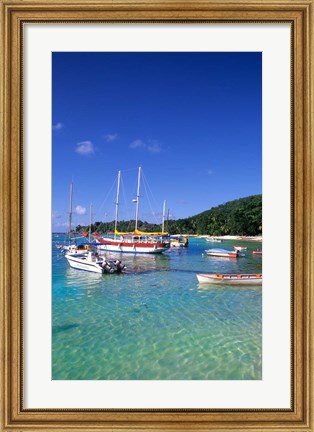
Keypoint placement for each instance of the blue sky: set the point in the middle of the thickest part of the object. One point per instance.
(192, 121)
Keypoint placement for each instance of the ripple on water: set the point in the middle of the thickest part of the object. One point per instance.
(156, 322)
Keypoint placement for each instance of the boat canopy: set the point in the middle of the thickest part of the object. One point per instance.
(121, 233)
(149, 233)
(138, 232)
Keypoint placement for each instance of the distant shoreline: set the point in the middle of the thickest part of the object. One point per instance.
(225, 237)
(231, 237)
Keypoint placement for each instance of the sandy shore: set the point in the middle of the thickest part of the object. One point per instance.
(230, 237)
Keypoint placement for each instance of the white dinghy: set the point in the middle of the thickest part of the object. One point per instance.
(230, 279)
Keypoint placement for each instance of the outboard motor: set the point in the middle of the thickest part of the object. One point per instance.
(110, 267)
(106, 266)
(119, 265)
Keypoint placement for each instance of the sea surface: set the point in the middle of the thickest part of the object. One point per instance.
(156, 322)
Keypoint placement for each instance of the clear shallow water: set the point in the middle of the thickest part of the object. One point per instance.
(157, 322)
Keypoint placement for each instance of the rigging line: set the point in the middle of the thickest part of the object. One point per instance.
(149, 202)
(134, 188)
(67, 212)
(106, 197)
(73, 208)
(126, 207)
(130, 169)
(151, 193)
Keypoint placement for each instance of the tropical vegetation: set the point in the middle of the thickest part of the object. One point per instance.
(242, 217)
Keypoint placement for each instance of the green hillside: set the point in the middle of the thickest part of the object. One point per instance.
(238, 217)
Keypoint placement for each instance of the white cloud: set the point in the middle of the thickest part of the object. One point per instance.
(154, 147)
(85, 148)
(57, 126)
(138, 143)
(111, 137)
(151, 146)
(55, 215)
(79, 210)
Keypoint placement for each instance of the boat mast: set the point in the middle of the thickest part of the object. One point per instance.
(90, 223)
(137, 196)
(117, 204)
(168, 214)
(163, 217)
(70, 211)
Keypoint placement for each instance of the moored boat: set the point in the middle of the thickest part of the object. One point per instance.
(257, 252)
(213, 240)
(136, 241)
(230, 279)
(73, 236)
(240, 248)
(222, 253)
(94, 263)
(179, 241)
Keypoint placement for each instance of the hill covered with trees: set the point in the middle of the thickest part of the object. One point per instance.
(238, 217)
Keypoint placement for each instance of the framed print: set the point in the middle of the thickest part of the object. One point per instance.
(157, 200)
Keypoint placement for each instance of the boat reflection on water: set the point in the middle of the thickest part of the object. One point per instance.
(221, 288)
(142, 263)
(82, 278)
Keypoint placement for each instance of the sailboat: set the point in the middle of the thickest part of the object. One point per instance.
(82, 257)
(72, 247)
(137, 241)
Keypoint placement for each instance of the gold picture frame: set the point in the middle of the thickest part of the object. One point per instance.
(13, 416)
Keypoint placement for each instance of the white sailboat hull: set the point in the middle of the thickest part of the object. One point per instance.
(132, 248)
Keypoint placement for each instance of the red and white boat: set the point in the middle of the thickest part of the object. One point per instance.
(230, 279)
(223, 253)
(136, 241)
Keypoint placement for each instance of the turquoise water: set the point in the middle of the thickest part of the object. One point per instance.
(156, 322)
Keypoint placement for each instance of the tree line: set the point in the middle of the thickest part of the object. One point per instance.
(242, 216)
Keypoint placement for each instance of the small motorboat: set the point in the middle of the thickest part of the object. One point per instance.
(257, 252)
(92, 262)
(213, 240)
(178, 241)
(230, 279)
(223, 253)
(240, 248)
